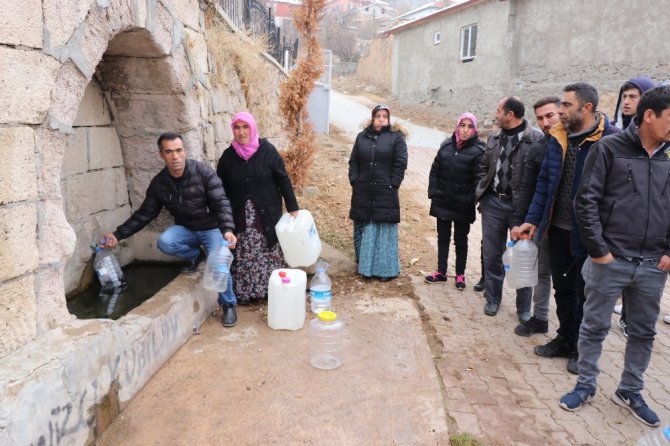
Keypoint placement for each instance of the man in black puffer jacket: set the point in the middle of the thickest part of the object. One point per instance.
(192, 192)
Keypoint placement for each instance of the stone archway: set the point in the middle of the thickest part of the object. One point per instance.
(142, 68)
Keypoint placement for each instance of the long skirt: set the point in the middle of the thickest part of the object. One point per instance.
(254, 261)
(376, 246)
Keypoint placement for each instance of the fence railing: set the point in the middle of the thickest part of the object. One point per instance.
(255, 17)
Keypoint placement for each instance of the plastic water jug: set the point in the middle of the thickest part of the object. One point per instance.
(524, 262)
(657, 437)
(108, 269)
(326, 341)
(286, 299)
(320, 294)
(299, 239)
(508, 261)
(218, 269)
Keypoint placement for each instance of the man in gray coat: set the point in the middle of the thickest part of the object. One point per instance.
(622, 208)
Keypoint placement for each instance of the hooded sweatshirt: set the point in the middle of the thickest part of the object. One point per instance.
(643, 83)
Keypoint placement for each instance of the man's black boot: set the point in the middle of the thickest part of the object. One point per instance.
(192, 265)
(229, 318)
(479, 286)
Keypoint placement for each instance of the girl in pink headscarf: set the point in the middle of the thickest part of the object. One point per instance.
(257, 184)
(451, 188)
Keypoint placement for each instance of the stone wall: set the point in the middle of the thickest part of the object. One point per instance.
(375, 67)
(88, 86)
(530, 49)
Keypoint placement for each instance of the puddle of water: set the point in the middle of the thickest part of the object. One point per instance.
(143, 281)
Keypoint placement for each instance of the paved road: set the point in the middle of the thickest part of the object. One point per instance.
(348, 113)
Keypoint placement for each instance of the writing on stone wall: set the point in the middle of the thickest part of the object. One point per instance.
(132, 367)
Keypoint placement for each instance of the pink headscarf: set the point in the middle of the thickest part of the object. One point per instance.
(465, 115)
(246, 151)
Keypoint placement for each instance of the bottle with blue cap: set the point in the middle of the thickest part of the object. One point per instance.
(107, 268)
(320, 289)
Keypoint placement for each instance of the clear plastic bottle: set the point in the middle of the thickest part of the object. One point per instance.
(508, 263)
(218, 269)
(525, 262)
(108, 269)
(320, 289)
(326, 341)
(657, 437)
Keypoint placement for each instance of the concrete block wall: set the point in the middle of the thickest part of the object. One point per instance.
(530, 49)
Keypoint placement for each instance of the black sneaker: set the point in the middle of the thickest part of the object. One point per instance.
(624, 326)
(479, 286)
(192, 265)
(634, 402)
(557, 347)
(572, 366)
(460, 281)
(491, 309)
(435, 277)
(531, 326)
(229, 318)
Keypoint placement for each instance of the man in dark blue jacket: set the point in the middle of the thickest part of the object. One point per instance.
(551, 210)
(622, 208)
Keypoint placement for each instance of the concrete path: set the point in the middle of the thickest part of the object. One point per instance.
(348, 113)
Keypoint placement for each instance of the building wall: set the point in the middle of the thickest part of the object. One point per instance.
(423, 71)
(374, 68)
(530, 49)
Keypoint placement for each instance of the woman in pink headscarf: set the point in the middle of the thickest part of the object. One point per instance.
(255, 179)
(451, 188)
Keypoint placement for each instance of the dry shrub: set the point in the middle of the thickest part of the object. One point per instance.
(295, 91)
(243, 54)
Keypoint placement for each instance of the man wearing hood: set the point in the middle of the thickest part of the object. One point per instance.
(551, 211)
(629, 98)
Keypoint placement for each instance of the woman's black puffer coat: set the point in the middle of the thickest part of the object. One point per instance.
(453, 176)
(376, 169)
(262, 179)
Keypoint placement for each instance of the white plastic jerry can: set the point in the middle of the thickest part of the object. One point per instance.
(286, 299)
(299, 239)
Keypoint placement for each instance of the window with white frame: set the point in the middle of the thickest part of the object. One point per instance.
(436, 38)
(468, 42)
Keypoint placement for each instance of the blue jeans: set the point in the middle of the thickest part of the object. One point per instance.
(182, 242)
(496, 222)
(643, 284)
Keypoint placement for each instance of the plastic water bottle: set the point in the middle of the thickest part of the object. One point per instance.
(218, 269)
(508, 261)
(326, 341)
(657, 437)
(320, 294)
(525, 262)
(108, 269)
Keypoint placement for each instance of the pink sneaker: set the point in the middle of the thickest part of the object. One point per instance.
(460, 281)
(435, 277)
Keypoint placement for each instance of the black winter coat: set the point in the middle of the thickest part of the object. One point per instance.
(376, 169)
(197, 201)
(263, 179)
(452, 180)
